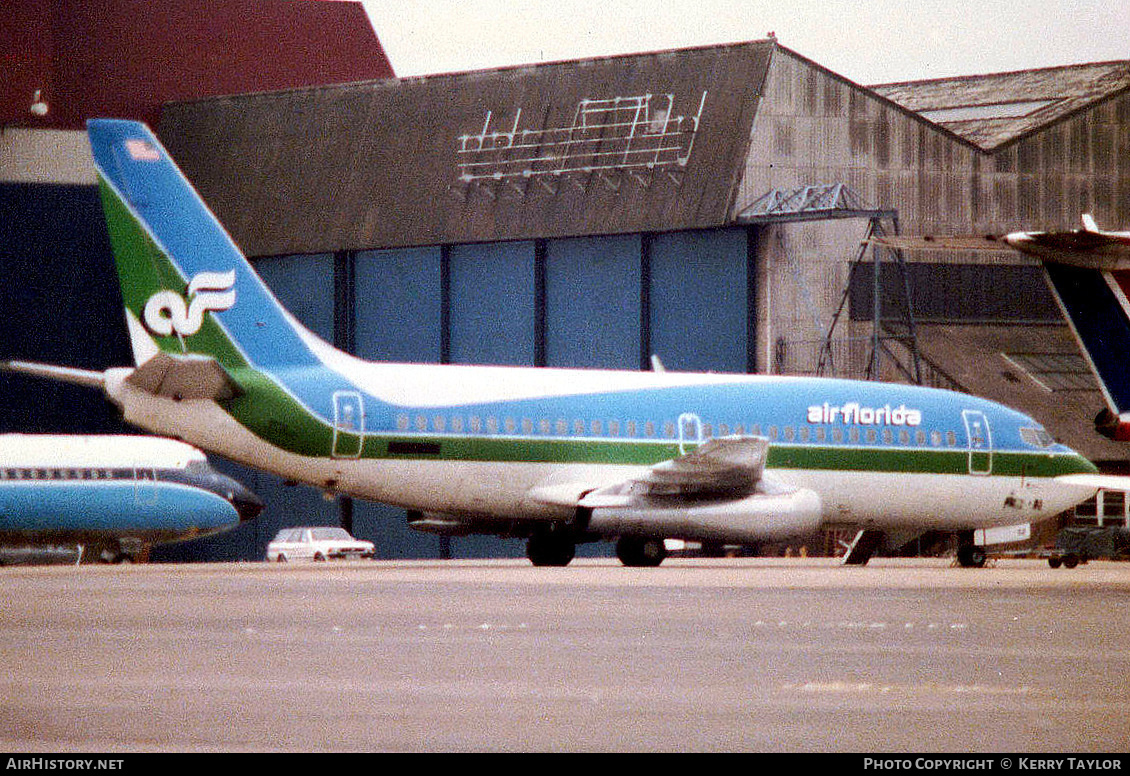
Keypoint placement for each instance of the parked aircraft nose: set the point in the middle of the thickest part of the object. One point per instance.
(246, 503)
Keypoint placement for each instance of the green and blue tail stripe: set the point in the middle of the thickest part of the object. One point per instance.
(165, 239)
(185, 281)
(188, 288)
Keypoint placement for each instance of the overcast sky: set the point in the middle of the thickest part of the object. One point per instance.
(867, 41)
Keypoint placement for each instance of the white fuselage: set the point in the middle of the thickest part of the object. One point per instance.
(503, 490)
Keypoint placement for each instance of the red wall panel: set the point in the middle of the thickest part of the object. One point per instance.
(124, 58)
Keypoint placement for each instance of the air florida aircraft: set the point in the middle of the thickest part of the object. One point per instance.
(1088, 271)
(117, 493)
(558, 456)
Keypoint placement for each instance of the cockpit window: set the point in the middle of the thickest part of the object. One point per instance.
(1036, 437)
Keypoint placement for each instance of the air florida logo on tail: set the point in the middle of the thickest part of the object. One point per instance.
(167, 312)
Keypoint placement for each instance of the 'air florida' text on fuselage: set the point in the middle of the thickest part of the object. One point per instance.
(853, 413)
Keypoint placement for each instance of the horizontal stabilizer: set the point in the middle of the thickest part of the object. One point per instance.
(1097, 481)
(184, 377)
(64, 374)
(957, 242)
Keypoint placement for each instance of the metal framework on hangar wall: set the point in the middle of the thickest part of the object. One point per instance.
(838, 201)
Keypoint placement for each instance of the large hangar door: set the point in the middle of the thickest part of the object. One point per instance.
(398, 301)
(592, 302)
(398, 305)
(699, 300)
(493, 303)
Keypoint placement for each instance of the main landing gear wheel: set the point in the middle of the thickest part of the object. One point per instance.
(551, 548)
(639, 552)
(970, 556)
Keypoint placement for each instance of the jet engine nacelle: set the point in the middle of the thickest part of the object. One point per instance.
(1111, 426)
(756, 518)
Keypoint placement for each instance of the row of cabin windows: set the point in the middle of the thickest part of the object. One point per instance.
(669, 430)
(76, 474)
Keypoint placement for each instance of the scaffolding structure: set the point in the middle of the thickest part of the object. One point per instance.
(838, 201)
(607, 139)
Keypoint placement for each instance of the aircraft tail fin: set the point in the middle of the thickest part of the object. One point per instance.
(1096, 304)
(187, 288)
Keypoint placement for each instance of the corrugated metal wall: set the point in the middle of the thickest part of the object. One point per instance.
(1080, 165)
(813, 127)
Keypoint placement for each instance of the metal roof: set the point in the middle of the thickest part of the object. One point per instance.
(618, 144)
(993, 110)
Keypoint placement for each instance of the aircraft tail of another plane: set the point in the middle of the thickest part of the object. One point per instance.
(1096, 304)
(188, 290)
(1088, 271)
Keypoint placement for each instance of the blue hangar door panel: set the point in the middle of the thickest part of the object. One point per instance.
(699, 300)
(592, 302)
(493, 318)
(304, 285)
(397, 300)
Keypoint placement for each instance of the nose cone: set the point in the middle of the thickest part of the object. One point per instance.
(246, 503)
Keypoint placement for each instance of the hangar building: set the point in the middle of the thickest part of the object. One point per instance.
(706, 205)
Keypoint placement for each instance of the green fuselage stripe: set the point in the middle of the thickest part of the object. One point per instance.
(896, 460)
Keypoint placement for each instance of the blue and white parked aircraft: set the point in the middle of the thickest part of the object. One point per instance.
(558, 456)
(112, 493)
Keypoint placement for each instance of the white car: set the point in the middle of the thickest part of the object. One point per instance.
(316, 543)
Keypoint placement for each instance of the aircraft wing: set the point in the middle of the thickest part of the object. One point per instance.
(1083, 241)
(727, 465)
(723, 467)
(1089, 247)
(1079, 247)
(184, 377)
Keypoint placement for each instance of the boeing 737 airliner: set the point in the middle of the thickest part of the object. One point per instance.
(558, 456)
(115, 494)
